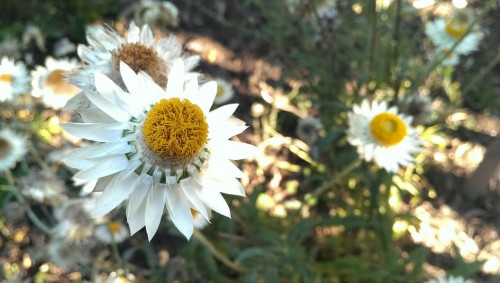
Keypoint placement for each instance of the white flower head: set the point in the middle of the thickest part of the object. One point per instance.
(139, 50)
(381, 134)
(419, 107)
(50, 83)
(154, 13)
(13, 147)
(449, 279)
(225, 91)
(43, 186)
(76, 223)
(199, 221)
(444, 33)
(111, 232)
(14, 79)
(67, 255)
(161, 148)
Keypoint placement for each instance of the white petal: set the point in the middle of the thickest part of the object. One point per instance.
(95, 131)
(146, 35)
(215, 201)
(137, 197)
(101, 149)
(223, 167)
(137, 220)
(221, 114)
(95, 115)
(154, 209)
(176, 79)
(229, 186)
(234, 150)
(180, 211)
(189, 188)
(108, 165)
(206, 95)
(117, 191)
(226, 131)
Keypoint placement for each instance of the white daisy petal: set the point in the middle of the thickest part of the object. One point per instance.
(114, 194)
(221, 114)
(95, 131)
(216, 202)
(107, 166)
(206, 96)
(154, 209)
(180, 211)
(176, 80)
(137, 219)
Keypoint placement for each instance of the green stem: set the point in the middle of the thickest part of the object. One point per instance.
(219, 255)
(32, 216)
(373, 39)
(395, 59)
(37, 157)
(116, 252)
(326, 186)
(481, 74)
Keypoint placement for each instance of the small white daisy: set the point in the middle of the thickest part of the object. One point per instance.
(43, 186)
(445, 33)
(225, 91)
(199, 221)
(13, 147)
(308, 129)
(111, 232)
(162, 148)
(14, 79)
(449, 279)
(50, 83)
(139, 50)
(76, 223)
(381, 134)
(154, 13)
(450, 58)
(419, 107)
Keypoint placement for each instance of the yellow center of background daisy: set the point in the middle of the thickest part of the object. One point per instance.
(5, 148)
(388, 129)
(175, 129)
(6, 78)
(141, 58)
(56, 83)
(114, 227)
(220, 91)
(455, 28)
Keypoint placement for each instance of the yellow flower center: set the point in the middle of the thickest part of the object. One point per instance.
(220, 90)
(194, 212)
(388, 129)
(455, 28)
(57, 85)
(175, 129)
(114, 227)
(5, 148)
(6, 78)
(141, 58)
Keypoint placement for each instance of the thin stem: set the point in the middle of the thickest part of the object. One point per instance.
(115, 251)
(479, 77)
(319, 191)
(219, 255)
(373, 39)
(32, 216)
(395, 58)
(37, 157)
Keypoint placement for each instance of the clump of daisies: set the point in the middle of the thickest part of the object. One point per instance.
(383, 135)
(14, 79)
(13, 147)
(50, 84)
(111, 232)
(160, 147)
(445, 34)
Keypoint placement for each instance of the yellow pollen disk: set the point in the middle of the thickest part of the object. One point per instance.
(175, 129)
(56, 83)
(455, 28)
(220, 91)
(141, 58)
(114, 227)
(194, 212)
(388, 129)
(6, 78)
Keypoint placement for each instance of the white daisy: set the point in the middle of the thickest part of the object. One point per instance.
(14, 79)
(50, 83)
(13, 147)
(380, 133)
(445, 33)
(450, 58)
(139, 50)
(112, 231)
(199, 221)
(76, 223)
(449, 279)
(161, 148)
(225, 91)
